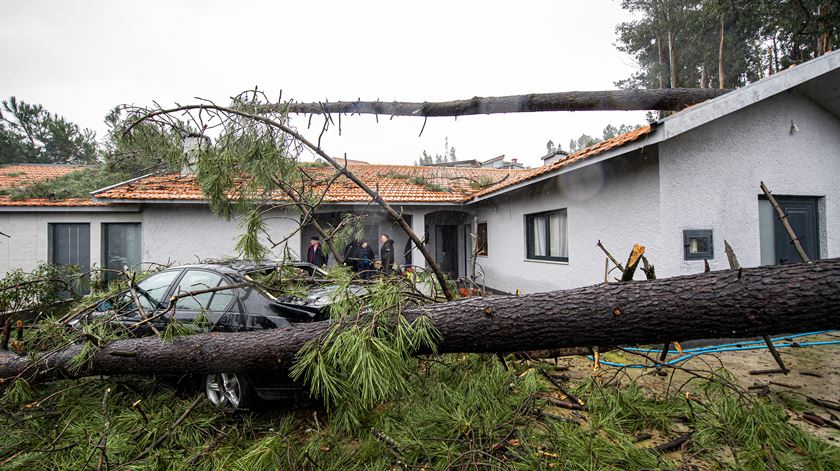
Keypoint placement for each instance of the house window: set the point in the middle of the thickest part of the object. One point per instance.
(546, 236)
(481, 239)
(120, 247)
(69, 244)
(698, 244)
(803, 217)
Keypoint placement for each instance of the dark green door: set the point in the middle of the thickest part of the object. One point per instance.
(802, 216)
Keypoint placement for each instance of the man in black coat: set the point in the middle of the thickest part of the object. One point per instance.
(315, 255)
(386, 253)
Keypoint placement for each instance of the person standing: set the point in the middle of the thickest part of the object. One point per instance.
(386, 253)
(367, 260)
(315, 255)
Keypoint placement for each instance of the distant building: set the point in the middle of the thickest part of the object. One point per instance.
(496, 162)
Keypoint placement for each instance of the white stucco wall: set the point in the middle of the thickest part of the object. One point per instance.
(29, 241)
(615, 201)
(709, 178)
(186, 233)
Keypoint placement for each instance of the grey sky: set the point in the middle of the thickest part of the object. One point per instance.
(81, 58)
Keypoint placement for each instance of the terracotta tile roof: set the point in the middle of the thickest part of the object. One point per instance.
(397, 183)
(583, 154)
(22, 175)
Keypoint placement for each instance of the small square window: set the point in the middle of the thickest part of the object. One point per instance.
(698, 244)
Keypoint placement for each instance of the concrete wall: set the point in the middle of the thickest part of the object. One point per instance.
(616, 201)
(186, 233)
(29, 242)
(709, 178)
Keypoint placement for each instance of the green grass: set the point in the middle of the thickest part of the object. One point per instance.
(460, 411)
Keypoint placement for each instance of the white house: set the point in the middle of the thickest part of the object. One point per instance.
(680, 186)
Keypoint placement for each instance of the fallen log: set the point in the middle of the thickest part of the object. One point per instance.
(765, 300)
(666, 99)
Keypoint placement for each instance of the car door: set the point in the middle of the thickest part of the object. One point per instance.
(212, 305)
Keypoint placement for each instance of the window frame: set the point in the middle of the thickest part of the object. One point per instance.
(485, 251)
(689, 234)
(103, 246)
(224, 279)
(529, 235)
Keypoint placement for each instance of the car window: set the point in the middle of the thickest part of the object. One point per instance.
(196, 280)
(155, 288)
(221, 299)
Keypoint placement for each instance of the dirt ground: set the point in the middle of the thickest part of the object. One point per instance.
(815, 373)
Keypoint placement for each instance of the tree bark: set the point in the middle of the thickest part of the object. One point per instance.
(730, 303)
(673, 99)
(721, 75)
(659, 76)
(672, 58)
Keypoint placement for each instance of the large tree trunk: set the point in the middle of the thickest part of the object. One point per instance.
(721, 74)
(730, 303)
(672, 58)
(659, 75)
(673, 99)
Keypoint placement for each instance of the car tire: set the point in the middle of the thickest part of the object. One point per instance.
(230, 391)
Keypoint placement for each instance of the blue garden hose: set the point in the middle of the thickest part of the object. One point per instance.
(689, 353)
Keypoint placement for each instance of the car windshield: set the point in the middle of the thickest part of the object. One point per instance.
(154, 288)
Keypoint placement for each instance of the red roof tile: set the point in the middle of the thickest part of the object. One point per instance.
(583, 154)
(23, 175)
(396, 183)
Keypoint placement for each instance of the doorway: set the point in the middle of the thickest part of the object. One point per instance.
(446, 248)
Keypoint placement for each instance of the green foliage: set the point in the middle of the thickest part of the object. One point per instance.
(425, 183)
(148, 147)
(758, 36)
(77, 184)
(366, 356)
(482, 181)
(31, 134)
(447, 156)
(40, 292)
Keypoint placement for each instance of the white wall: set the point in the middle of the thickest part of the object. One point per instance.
(709, 178)
(187, 233)
(615, 201)
(29, 242)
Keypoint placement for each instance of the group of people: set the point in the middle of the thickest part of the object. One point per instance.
(358, 256)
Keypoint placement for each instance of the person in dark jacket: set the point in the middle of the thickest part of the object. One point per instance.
(368, 257)
(386, 253)
(315, 255)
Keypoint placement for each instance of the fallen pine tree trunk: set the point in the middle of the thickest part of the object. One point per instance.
(731, 303)
(667, 99)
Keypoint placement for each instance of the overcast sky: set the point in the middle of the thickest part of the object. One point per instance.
(81, 58)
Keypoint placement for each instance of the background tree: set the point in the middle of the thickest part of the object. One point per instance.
(722, 43)
(448, 156)
(585, 140)
(31, 134)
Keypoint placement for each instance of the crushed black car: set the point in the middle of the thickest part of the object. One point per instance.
(204, 304)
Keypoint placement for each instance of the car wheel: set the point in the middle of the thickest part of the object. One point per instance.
(228, 390)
